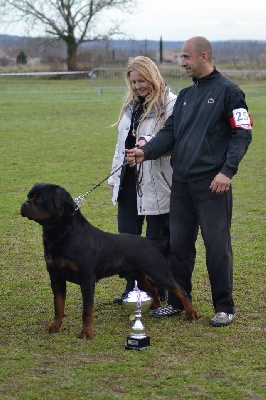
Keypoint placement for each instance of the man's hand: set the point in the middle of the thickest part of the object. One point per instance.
(134, 156)
(220, 184)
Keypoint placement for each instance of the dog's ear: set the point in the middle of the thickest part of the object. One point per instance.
(63, 198)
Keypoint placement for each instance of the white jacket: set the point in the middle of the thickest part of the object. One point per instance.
(156, 181)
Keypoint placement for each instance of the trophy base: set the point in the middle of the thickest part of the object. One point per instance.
(137, 343)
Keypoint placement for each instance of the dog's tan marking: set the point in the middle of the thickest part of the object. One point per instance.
(64, 263)
(70, 265)
(87, 329)
(48, 260)
(59, 303)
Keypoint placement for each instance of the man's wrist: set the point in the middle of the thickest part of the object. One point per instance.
(145, 152)
(227, 171)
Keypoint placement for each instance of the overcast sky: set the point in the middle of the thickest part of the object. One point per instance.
(179, 20)
(217, 20)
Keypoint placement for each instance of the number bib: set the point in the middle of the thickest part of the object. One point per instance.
(241, 119)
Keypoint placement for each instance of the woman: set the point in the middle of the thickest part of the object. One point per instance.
(144, 192)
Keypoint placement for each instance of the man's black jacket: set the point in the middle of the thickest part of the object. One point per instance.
(202, 132)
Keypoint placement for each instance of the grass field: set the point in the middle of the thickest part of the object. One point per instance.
(59, 131)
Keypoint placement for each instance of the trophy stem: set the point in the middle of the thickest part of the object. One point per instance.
(138, 327)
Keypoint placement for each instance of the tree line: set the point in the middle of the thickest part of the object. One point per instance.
(109, 52)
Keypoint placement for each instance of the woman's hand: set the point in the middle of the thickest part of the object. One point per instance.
(141, 143)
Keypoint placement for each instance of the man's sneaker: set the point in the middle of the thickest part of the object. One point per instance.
(222, 319)
(119, 299)
(166, 311)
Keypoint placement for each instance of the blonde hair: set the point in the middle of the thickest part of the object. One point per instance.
(150, 72)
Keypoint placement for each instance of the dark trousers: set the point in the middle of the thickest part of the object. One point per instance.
(194, 206)
(157, 226)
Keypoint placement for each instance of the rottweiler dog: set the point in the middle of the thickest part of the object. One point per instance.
(76, 251)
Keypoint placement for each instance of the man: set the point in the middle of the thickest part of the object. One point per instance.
(208, 133)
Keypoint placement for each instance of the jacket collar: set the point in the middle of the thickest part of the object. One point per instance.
(208, 78)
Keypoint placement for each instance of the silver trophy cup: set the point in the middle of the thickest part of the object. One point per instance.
(136, 302)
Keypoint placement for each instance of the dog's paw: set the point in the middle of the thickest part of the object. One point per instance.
(155, 304)
(53, 328)
(192, 314)
(85, 334)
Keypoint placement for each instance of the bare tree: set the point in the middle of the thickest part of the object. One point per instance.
(73, 21)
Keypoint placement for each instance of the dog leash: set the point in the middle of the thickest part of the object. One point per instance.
(79, 200)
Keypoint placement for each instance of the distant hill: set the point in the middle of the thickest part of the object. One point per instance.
(149, 44)
(13, 38)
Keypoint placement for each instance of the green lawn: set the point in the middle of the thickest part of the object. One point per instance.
(59, 131)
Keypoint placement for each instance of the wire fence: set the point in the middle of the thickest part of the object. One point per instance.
(102, 79)
(113, 78)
